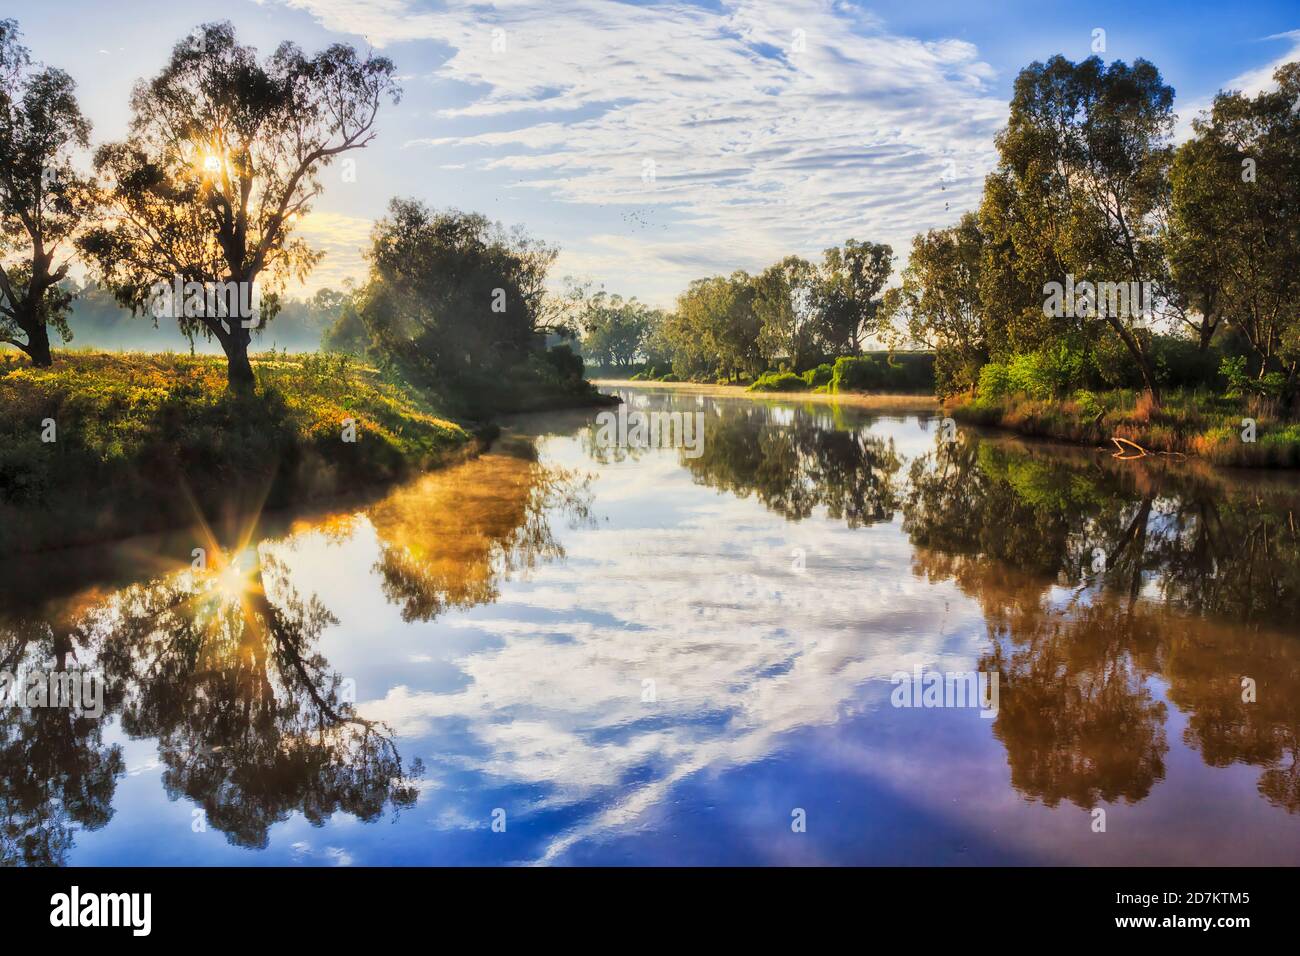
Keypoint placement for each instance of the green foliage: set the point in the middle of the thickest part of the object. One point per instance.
(43, 199)
(223, 158)
(731, 328)
(161, 430)
(1187, 422)
(713, 333)
(1234, 247)
(779, 382)
(938, 304)
(1240, 383)
(893, 372)
(994, 381)
(819, 376)
(614, 330)
(1182, 363)
(846, 293)
(1090, 406)
(451, 295)
(855, 374)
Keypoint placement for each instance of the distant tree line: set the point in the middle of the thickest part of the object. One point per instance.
(1101, 255)
(793, 313)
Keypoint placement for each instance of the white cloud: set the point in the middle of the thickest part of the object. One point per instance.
(721, 629)
(771, 129)
(1251, 83)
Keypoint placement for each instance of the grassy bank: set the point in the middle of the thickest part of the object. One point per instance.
(143, 442)
(1193, 423)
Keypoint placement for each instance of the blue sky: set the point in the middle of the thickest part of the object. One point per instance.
(660, 142)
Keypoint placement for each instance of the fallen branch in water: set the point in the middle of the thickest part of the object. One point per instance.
(1123, 454)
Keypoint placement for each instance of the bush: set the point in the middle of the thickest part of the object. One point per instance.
(995, 381)
(855, 373)
(565, 361)
(819, 376)
(779, 382)
(1089, 404)
(1181, 363)
(1241, 383)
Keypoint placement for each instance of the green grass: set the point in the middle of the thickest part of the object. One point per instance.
(147, 441)
(1196, 423)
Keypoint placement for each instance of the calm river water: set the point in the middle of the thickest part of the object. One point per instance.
(565, 652)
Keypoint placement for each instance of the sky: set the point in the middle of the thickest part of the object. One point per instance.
(659, 142)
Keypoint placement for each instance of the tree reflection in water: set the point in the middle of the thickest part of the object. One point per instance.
(221, 667)
(1110, 594)
(56, 772)
(794, 466)
(1093, 580)
(448, 540)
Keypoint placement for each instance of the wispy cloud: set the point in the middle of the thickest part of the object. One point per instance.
(749, 129)
(1251, 82)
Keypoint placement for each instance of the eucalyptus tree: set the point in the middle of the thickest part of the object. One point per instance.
(224, 158)
(848, 292)
(43, 199)
(1236, 218)
(784, 305)
(1082, 189)
(938, 303)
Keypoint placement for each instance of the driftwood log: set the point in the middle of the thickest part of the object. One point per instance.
(1126, 450)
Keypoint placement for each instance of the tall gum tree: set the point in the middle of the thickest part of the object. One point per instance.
(1236, 218)
(1082, 181)
(43, 199)
(224, 156)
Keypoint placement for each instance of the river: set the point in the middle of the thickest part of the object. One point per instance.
(569, 651)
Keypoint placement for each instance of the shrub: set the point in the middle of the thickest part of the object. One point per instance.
(821, 375)
(565, 361)
(1090, 405)
(778, 382)
(994, 382)
(855, 373)
(1180, 363)
(1241, 383)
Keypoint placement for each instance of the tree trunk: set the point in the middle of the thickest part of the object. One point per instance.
(239, 371)
(1143, 360)
(38, 345)
(1207, 333)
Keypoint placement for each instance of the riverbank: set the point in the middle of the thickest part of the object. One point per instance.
(103, 445)
(882, 403)
(1193, 424)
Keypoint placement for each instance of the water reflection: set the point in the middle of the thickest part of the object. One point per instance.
(1131, 575)
(798, 465)
(56, 773)
(614, 643)
(448, 539)
(221, 669)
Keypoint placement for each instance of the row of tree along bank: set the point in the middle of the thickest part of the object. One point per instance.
(1110, 284)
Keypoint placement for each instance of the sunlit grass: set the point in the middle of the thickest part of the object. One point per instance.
(1196, 423)
(139, 433)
